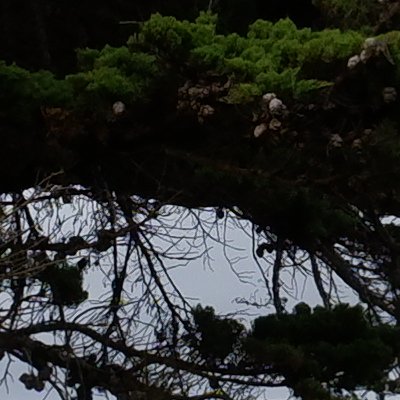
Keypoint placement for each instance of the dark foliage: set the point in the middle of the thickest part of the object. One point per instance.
(136, 135)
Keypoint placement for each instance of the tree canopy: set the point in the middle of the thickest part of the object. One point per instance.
(162, 131)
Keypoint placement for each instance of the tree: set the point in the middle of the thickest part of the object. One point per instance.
(292, 129)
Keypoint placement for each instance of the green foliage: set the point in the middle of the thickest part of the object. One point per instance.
(173, 38)
(65, 282)
(216, 337)
(283, 29)
(86, 58)
(306, 327)
(23, 92)
(107, 75)
(270, 58)
(243, 93)
(331, 45)
(303, 215)
(113, 74)
(308, 347)
(340, 347)
(166, 34)
(333, 346)
(273, 57)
